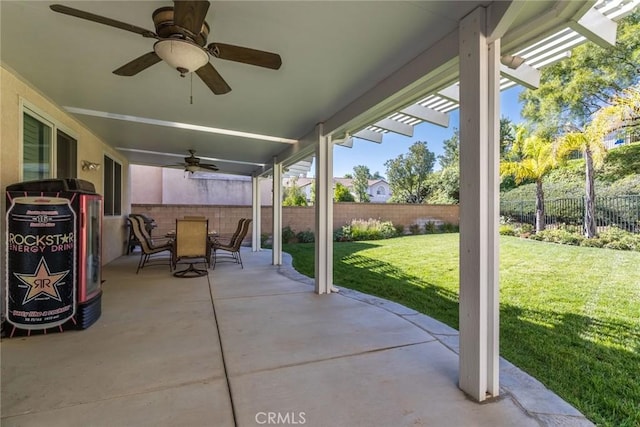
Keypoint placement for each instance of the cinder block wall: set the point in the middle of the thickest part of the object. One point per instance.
(224, 219)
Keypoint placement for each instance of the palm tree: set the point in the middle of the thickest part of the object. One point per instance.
(623, 109)
(590, 142)
(531, 158)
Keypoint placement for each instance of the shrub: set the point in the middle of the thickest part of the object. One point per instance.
(343, 234)
(507, 230)
(264, 238)
(414, 229)
(615, 238)
(288, 235)
(611, 238)
(306, 237)
(430, 227)
(450, 228)
(592, 243)
(559, 236)
(399, 230)
(371, 229)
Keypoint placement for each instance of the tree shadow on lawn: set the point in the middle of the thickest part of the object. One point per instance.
(593, 363)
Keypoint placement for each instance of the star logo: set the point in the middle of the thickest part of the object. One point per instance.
(41, 283)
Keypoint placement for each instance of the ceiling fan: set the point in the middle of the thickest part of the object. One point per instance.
(181, 34)
(192, 164)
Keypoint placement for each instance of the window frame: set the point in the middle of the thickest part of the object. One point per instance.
(26, 107)
(116, 165)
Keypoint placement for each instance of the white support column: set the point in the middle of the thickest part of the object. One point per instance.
(479, 140)
(257, 212)
(324, 213)
(277, 213)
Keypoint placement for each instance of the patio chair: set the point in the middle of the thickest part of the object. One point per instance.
(234, 236)
(149, 224)
(192, 243)
(234, 248)
(148, 250)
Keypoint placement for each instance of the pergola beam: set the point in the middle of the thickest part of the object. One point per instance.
(427, 114)
(452, 93)
(597, 28)
(525, 75)
(395, 126)
(500, 17)
(369, 135)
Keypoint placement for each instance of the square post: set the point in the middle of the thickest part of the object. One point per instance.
(256, 214)
(277, 213)
(479, 155)
(324, 213)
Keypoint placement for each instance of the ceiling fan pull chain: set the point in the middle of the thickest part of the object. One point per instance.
(191, 94)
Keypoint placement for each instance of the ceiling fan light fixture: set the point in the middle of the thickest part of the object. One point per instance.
(181, 54)
(192, 168)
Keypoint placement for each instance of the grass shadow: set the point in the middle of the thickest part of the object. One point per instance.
(593, 363)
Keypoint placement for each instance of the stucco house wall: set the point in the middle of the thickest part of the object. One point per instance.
(16, 90)
(174, 186)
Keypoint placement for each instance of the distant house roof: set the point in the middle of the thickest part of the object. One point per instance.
(347, 182)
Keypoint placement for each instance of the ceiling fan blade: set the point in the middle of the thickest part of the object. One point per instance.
(190, 14)
(245, 55)
(141, 63)
(209, 167)
(102, 20)
(213, 79)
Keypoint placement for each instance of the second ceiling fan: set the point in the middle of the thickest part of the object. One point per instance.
(181, 34)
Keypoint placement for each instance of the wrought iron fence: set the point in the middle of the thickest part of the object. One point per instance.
(622, 212)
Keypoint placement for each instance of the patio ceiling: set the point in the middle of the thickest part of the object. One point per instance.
(344, 63)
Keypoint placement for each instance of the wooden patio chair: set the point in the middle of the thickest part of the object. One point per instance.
(149, 250)
(192, 244)
(234, 248)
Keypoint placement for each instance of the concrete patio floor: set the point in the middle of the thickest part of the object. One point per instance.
(254, 347)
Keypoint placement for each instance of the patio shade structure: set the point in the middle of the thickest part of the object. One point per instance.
(349, 70)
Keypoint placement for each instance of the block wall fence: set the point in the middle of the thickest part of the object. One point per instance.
(224, 219)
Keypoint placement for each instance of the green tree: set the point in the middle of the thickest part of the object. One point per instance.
(342, 194)
(507, 135)
(312, 192)
(408, 173)
(535, 159)
(445, 184)
(361, 176)
(293, 195)
(376, 175)
(572, 90)
(451, 150)
(348, 175)
(623, 109)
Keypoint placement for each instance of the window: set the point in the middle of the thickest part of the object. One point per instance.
(112, 187)
(381, 191)
(36, 148)
(47, 151)
(66, 157)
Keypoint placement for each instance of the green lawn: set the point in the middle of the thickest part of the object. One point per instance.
(570, 316)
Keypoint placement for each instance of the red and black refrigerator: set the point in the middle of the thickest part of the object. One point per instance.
(53, 256)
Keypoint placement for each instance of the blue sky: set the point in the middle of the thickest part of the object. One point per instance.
(375, 155)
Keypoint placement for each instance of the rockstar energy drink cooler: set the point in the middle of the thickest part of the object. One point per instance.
(41, 250)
